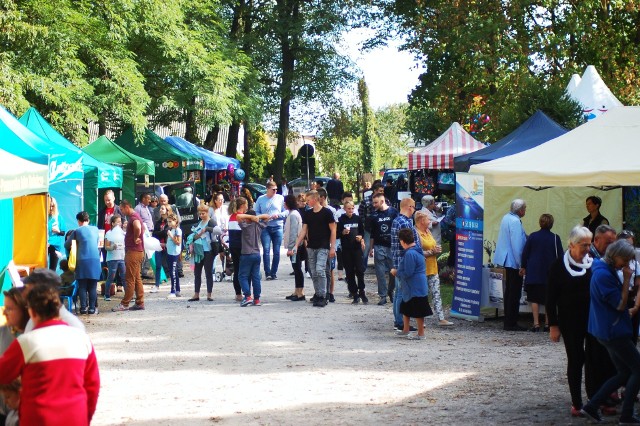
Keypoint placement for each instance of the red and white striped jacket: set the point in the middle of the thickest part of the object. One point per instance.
(60, 378)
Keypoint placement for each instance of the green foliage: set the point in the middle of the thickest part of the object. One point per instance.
(261, 156)
(510, 53)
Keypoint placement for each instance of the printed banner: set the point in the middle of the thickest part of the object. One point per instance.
(467, 291)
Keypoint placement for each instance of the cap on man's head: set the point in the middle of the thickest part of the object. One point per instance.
(43, 276)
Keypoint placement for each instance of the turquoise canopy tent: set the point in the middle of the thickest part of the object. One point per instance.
(65, 165)
(97, 175)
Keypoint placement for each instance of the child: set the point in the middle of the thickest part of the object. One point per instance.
(11, 396)
(413, 272)
(114, 245)
(174, 247)
(249, 275)
(67, 277)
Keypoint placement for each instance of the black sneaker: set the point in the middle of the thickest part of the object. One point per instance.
(629, 421)
(364, 299)
(591, 413)
(331, 298)
(383, 301)
(356, 300)
(313, 298)
(320, 302)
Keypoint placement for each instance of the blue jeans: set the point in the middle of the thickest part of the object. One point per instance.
(397, 316)
(115, 267)
(160, 258)
(626, 358)
(249, 274)
(91, 286)
(172, 261)
(383, 264)
(318, 267)
(271, 236)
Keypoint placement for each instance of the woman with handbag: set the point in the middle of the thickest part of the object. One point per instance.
(542, 248)
(88, 268)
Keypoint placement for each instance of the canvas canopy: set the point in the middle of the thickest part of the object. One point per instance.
(602, 152)
(536, 130)
(97, 175)
(440, 153)
(132, 165)
(592, 93)
(212, 161)
(65, 165)
(171, 164)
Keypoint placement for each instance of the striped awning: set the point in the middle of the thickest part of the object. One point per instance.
(440, 153)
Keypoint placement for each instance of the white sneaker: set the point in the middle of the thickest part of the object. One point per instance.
(171, 296)
(308, 275)
(154, 289)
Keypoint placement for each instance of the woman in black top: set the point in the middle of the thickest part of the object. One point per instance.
(568, 307)
(594, 219)
(351, 232)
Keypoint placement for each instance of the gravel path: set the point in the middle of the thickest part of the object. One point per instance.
(202, 363)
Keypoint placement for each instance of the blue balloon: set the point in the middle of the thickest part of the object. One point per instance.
(238, 174)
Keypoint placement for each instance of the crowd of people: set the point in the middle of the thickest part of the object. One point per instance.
(591, 301)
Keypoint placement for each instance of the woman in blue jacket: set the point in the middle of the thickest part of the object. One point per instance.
(610, 323)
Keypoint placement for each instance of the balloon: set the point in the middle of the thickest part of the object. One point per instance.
(239, 175)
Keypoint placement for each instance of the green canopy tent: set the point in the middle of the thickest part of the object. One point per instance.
(97, 175)
(172, 165)
(132, 165)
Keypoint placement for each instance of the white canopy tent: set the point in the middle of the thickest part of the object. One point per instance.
(601, 153)
(592, 93)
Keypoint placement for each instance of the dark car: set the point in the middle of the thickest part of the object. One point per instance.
(301, 185)
(256, 189)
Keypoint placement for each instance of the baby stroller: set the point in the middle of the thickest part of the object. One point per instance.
(226, 265)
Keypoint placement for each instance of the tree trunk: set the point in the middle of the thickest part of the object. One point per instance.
(191, 126)
(102, 125)
(289, 15)
(246, 161)
(212, 138)
(232, 140)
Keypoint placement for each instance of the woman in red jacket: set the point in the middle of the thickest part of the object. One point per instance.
(60, 378)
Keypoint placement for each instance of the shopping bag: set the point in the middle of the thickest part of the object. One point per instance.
(72, 256)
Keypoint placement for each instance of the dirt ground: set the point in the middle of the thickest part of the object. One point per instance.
(288, 363)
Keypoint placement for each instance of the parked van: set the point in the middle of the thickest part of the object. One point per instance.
(182, 195)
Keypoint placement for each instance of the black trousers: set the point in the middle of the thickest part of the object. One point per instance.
(353, 268)
(301, 255)
(235, 257)
(512, 293)
(573, 336)
(598, 367)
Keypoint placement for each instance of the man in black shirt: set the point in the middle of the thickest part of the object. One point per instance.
(381, 221)
(335, 188)
(351, 232)
(319, 226)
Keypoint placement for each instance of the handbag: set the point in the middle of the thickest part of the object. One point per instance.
(73, 256)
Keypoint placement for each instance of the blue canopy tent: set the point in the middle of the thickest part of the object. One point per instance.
(97, 175)
(212, 161)
(538, 129)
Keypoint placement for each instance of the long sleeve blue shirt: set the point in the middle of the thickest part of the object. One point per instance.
(511, 240)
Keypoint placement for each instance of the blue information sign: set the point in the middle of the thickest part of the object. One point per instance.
(469, 250)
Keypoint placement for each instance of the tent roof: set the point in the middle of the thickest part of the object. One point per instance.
(20, 141)
(602, 152)
(97, 173)
(573, 85)
(593, 94)
(440, 153)
(157, 149)
(106, 150)
(20, 177)
(212, 161)
(536, 130)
